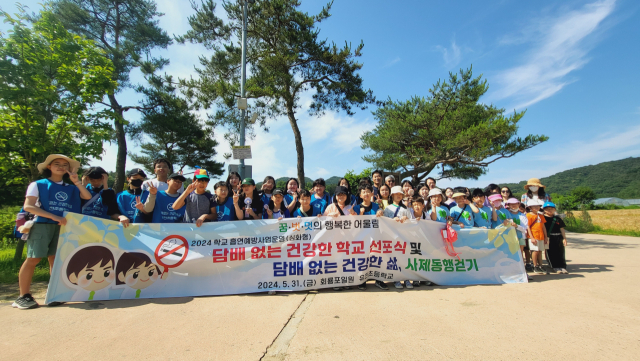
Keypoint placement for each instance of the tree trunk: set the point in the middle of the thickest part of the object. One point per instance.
(298, 139)
(121, 159)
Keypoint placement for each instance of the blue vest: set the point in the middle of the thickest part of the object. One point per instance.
(127, 204)
(95, 207)
(163, 211)
(57, 198)
(313, 212)
(321, 204)
(226, 211)
(373, 211)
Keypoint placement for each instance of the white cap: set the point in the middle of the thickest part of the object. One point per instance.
(396, 189)
(535, 202)
(435, 192)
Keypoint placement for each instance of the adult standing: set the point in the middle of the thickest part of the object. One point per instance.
(431, 183)
(535, 190)
(162, 168)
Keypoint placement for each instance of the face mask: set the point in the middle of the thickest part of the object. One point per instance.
(533, 188)
(136, 183)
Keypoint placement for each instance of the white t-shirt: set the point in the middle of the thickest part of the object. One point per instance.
(162, 186)
(390, 211)
(32, 191)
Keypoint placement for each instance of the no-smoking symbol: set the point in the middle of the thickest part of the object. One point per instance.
(172, 251)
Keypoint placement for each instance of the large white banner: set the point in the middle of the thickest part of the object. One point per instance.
(100, 260)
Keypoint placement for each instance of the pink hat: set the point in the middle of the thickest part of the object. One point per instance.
(512, 201)
(495, 197)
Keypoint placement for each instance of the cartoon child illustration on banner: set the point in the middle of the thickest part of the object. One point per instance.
(140, 277)
(91, 270)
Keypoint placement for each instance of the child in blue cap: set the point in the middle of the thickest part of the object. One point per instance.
(557, 238)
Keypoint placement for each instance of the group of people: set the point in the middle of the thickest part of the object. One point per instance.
(164, 199)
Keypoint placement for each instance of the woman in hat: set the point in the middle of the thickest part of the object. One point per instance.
(48, 199)
(535, 190)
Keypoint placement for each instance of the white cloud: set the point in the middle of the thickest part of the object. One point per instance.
(392, 62)
(452, 55)
(560, 46)
(338, 133)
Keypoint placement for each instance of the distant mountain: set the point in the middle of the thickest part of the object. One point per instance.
(619, 178)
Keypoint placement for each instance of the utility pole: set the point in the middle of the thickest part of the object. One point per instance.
(243, 81)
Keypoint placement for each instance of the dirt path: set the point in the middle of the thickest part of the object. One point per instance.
(591, 314)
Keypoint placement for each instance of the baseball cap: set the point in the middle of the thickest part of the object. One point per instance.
(136, 171)
(341, 189)
(248, 181)
(549, 204)
(201, 174)
(96, 172)
(177, 176)
(277, 191)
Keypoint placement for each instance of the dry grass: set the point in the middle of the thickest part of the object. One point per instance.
(617, 219)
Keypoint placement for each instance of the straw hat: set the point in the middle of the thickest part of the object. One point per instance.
(459, 194)
(533, 182)
(73, 164)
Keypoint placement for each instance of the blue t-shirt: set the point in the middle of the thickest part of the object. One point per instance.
(442, 214)
(503, 214)
(483, 218)
(465, 215)
(313, 212)
(372, 211)
(226, 211)
(322, 203)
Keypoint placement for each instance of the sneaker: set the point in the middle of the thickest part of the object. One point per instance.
(272, 292)
(25, 302)
(362, 286)
(428, 283)
(538, 270)
(347, 287)
(564, 271)
(416, 283)
(398, 285)
(381, 285)
(55, 303)
(528, 267)
(408, 284)
(557, 270)
(337, 288)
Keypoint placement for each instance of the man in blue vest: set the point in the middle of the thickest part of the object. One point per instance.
(48, 199)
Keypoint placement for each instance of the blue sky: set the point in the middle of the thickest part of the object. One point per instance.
(573, 65)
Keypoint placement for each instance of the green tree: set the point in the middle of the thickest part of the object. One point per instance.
(176, 133)
(583, 195)
(49, 79)
(286, 58)
(449, 129)
(125, 30)
(354, 179)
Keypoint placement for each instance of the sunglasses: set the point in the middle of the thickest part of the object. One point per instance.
(504, 192)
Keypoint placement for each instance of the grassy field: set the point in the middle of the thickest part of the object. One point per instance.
(9, 269)
(621, 222)
(620, 219)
